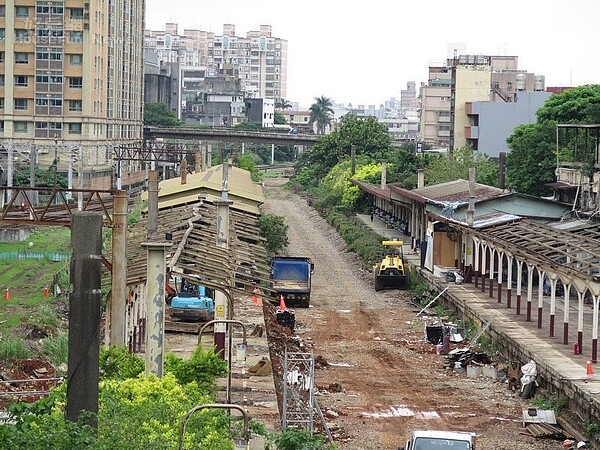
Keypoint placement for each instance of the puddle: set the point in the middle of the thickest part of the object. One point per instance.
(401, 411)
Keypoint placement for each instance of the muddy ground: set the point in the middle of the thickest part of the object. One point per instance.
(381, 378)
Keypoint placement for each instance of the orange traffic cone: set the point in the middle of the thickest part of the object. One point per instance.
(282, 306)
(7, 294)
(589, 368)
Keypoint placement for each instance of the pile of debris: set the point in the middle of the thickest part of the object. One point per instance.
(463, 357)
(26, 380)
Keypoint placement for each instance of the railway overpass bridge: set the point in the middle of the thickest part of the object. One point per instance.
(229, 135)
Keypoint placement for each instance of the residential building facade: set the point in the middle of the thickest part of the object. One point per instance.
(468, 78)
(71, 77)
(258, 60)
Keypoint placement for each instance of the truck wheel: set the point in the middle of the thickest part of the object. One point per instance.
(377, 286)
(304, 303)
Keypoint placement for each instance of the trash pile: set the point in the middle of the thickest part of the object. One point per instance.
(286, 318)
(463, 357)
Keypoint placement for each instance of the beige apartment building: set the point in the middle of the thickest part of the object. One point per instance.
(71, 81)
(259, 59)
(463, 79)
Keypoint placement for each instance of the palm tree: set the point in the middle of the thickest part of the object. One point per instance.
(320, 113)
(283, 104)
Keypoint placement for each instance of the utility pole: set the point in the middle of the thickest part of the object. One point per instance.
(32, 162)
(84, 316)
(221, 306)
(80, 179)
(118, 299)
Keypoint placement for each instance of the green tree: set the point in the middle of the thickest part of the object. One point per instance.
(43, 177)
(282, 104)
(369, 137)
(320, 113)
(531, 161)
(158, 114)
(274, 230)
(580, 105)
(456, 166)
(279, 119)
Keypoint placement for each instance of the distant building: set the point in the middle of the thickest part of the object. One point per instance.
(468, 78)
(491, 123)
(258, 60)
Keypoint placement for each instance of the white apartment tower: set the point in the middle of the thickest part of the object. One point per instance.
(71, 76)
(259, 59)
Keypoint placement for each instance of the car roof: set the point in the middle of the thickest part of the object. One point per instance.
(444, 434)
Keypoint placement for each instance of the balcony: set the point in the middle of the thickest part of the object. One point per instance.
(471, 132)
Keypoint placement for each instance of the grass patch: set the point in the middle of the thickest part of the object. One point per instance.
(543, 402)
(43, 239)
(45, 317)
(56, 348)
(12, 347)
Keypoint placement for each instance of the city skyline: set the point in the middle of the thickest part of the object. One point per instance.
(367, 55)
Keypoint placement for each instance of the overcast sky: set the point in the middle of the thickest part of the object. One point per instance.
(364, 52)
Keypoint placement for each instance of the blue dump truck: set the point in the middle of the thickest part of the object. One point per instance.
(291, 278)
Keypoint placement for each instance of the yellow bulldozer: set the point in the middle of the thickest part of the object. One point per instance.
(391, 272)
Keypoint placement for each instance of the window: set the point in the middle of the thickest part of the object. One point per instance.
(21, 35)
(49, 31)
(75, 105)
(53, 54)
(75, 128)
(2, 34)
(2, 10)
(76, 13)
(1, 57)
(75, 82)
(20, 127)
(22, 11)
(76, 59)
(48, 100)
(76, 37)
(21, 58)
(1, 80)
(1, 126)
(49, 77)
(50, 8)
(20, 104)
(1, 103)
(21, 80)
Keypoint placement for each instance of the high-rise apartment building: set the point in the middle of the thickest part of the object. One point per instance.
(463, 79)
(259, 59)
(71, 76)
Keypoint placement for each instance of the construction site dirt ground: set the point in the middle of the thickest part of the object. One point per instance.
(376, 377)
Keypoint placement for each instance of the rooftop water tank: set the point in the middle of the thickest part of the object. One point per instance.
(520, 82)
(540, 83)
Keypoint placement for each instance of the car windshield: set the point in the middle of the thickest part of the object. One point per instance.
(440, 444)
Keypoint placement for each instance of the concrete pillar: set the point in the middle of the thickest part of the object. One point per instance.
(492, 258)
(152, 204)
(221, 300)
(209, 155)
(552, 304)
(198, 167)
(118, 298)
(483, 267)
(383, 174)
(420, 178)
(155, 307)
(540, 297)
(500, 275)
(477, 262)
(596, 299)
(519, 283)
(529, 290)
(510, 260)
(272, 154)
(184, 171)
(567, 305)
(580, 296)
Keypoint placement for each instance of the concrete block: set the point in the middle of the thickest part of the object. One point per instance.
(474, 371)
(490, 372)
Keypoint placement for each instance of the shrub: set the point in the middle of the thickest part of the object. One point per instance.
(14, 348)
(56, 348)
(202, 368)
(119, 364)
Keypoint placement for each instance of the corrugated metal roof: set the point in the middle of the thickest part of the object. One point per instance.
(371, 189)
(458, 190)
(245, 194)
